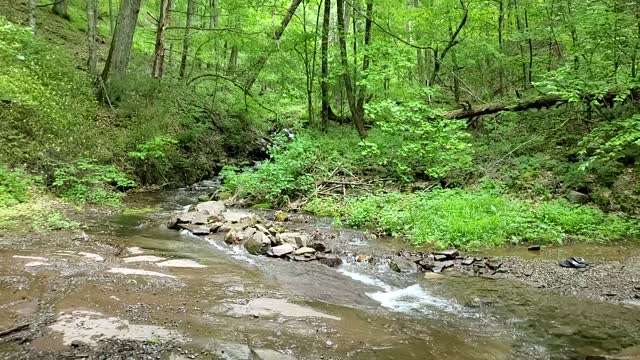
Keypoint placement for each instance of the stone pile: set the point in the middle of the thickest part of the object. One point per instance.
(257, 235)
(439, 261)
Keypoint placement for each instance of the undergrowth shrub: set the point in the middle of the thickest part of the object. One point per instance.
(475, 218)
(87, 182)
(14, 186)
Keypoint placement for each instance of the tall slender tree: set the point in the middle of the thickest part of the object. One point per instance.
(60, 8)
(163, 21)
(186, 41)
(92, 20)
(324, 77)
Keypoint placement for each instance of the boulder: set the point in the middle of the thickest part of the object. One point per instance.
(304, 250)
(363, 258)
(577, 197)
(203, 198)
(296, 239)
(534, 248)
(403, 265)
(330, 260)
(211, 207)
(440, 257)
(248, 233)
(234, 216)
(427, 263)
(195, 218)
(281, 250)
(258, 244)
(232, 237)
(281, 216)
(493, 264)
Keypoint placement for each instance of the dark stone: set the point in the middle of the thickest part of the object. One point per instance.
(173, 222)
(403, 265)
(534, 248)
(330, 261)
(426, 263)
(577, 197)
(440, 257)
(439, 266)
(493, 264)
(318, 246)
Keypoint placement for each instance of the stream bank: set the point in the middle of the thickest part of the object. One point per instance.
(172, 295)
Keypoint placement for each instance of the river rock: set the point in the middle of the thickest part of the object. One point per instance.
(211, 207)
(449, 254)
(234, 216)
(440, 257)
(195, 218)
(304, 250)
(534, 248)
(248, 233)
(403, 265)
(301, 258)
(433, 276)
(427, 263)
(441, 265)
(281, 250)
(281, 216)
(258, 244)
(577, 197)
(468, 261)
(196, 229)
(232, 237)
(363, 258)
(493, 264)
(296, 239)
(330, 260)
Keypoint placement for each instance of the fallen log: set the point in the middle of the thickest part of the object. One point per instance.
(539, 103)
(546, 101)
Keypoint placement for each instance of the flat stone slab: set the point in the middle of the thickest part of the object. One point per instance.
(90, 327)
(143, 258)
(92, 256)
(128, 271)
(268, 306)
(134, 250)
(36, 263)
(30, 257)
(181, 263)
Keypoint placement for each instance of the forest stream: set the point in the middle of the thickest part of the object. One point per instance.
(132, 289)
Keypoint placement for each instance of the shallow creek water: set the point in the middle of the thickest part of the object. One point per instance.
(241, 306)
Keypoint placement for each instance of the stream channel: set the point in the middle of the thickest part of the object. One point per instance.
(81, 299)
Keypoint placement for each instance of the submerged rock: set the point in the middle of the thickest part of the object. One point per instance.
(330, 260)
(403, 265)
(196, 229)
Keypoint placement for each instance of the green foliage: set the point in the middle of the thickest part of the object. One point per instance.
(421, 142)
(14, 186)
(88, 182)
(474, 219)
(613, 142)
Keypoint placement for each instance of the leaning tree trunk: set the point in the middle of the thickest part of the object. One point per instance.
(60, 9)
(92, 9)
(262, 60)
(353, 106)
(362, 93)
(324, 82)
(158, 58)
(187, 41)
(120, 50)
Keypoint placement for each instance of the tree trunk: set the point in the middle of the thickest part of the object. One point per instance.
(500, 47)
(60, 9)
(355, 113)
(92, 19)
(215, 14)
(324, 82)
(233, 59)
(111, 25)
(33, 10)
(120, 50)
(362, 92)
(262, 60)
(158, 58)
(187, 38)
(530, 69)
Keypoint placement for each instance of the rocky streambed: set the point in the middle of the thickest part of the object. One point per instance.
(227, 283)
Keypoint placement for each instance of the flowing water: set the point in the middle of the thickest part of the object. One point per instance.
(240, 305)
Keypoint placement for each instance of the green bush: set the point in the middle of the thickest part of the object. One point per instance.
(14, 186)
(87, 182)
(476, 218)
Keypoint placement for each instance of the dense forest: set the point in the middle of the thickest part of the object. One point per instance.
(452, 122)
